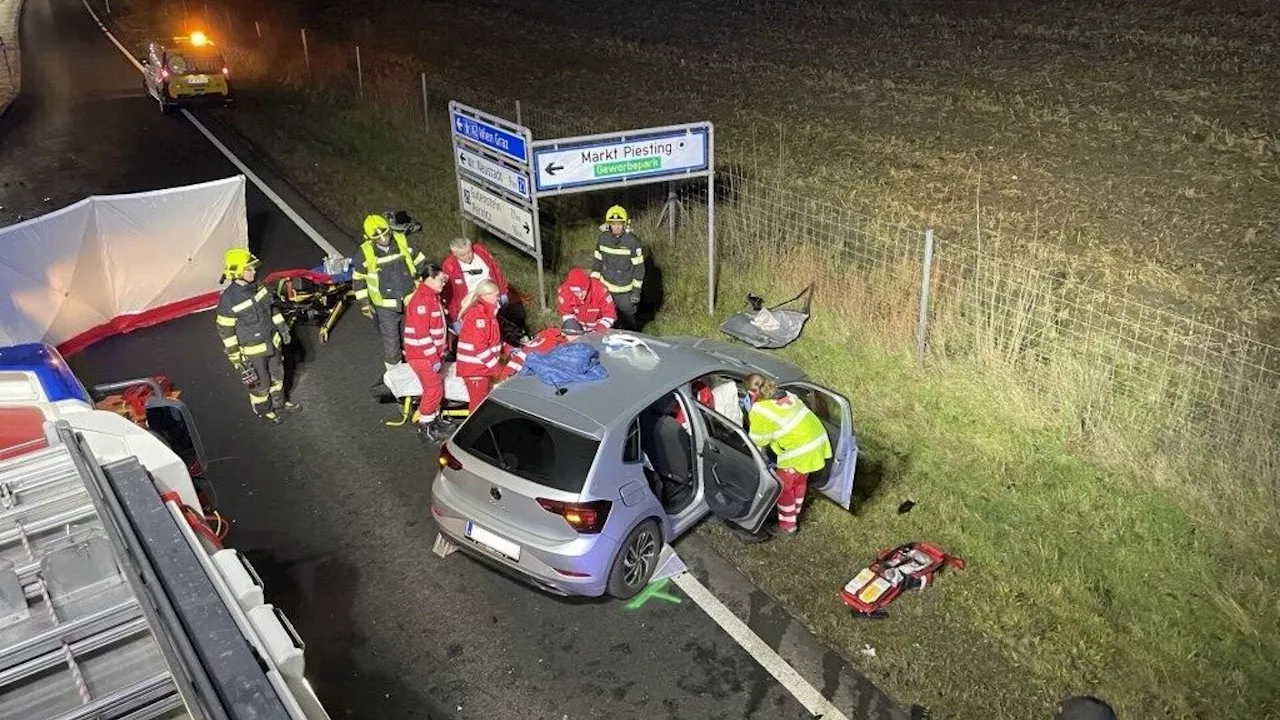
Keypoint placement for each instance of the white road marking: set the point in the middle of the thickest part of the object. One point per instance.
(303, 225)
(768, 658)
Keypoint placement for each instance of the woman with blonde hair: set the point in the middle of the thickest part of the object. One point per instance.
(480, 344)
(782, 422)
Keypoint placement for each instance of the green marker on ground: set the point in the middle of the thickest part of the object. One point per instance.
(651, 591)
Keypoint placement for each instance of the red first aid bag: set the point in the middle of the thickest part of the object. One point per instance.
(906, 567)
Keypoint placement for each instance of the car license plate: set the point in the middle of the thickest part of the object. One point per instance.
(198, 79)
(502, 546)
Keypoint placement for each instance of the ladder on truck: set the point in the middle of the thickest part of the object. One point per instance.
(110, 606)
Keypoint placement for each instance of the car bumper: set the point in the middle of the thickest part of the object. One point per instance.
(537, 565)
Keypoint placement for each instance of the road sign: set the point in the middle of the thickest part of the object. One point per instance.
(514, 181)
(620, 158)
(507, 142)
(512, 221)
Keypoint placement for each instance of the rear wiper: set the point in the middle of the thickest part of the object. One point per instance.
(502, 463)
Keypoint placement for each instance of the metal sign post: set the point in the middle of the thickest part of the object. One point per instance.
(634, 157)
(495, 192)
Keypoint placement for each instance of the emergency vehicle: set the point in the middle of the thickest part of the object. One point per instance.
(117, 599)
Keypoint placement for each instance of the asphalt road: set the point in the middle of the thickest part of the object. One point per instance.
(333, 507)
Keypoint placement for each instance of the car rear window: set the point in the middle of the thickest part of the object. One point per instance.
(202, 63)
(526, 446)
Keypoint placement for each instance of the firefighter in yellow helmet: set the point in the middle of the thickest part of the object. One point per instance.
(254, 334)
(383, 280)
(781, 422)
(619, 265)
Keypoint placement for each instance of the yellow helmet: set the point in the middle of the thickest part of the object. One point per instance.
(617, 213)
(235, 261)
(375, 225)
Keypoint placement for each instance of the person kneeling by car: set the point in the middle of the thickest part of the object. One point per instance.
(480, 344)
(782, 422)
(584, 301)
(425, 341)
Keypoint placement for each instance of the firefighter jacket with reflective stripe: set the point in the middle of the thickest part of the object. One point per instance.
(457, 289)
(619, 262)
(248, 321)
(385, 278)
(594, 312)
(794, 433)
(424, 326)
(480, 344)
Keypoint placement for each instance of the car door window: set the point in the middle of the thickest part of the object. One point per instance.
(631, 446)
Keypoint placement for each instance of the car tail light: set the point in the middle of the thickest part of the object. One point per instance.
(587, 517)
(226, 71)
(447, 460)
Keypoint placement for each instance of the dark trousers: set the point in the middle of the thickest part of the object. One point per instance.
(390, 325)
(268, 394)
(626, 311)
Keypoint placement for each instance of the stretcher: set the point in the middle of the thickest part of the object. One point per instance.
(400, 385)
(317, 296)
(770, 328)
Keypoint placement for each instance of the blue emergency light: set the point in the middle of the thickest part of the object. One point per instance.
(49, 367)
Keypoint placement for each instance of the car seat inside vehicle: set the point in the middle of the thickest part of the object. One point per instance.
(669, 450)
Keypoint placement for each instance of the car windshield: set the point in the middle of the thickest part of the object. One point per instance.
(195, 62)
(528, 447)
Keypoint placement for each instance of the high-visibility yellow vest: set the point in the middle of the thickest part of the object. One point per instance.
(370, 275)
(794, 433)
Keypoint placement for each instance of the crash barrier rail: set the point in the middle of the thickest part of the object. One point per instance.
(1170, 384)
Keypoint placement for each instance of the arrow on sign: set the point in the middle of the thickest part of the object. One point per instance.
(553, 168)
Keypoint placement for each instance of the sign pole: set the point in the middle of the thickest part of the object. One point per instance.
(711, 220)
(537, 234)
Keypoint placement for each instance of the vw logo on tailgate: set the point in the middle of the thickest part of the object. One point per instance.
(495, 493)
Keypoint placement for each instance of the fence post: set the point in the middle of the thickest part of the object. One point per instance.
(208, 21)
(226, 19)
(359, 72)
(519, 120)
(306, 55)
(426, 112)
(108, 7)
(257, 28)
(922, 325)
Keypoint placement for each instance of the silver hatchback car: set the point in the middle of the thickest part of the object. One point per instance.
(575, 489)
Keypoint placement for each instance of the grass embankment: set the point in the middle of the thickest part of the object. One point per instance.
(1079, 580)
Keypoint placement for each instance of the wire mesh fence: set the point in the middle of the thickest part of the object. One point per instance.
(1177, 381)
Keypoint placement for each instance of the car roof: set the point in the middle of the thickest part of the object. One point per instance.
(636, 379)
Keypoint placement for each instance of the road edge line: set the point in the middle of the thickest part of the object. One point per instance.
(768, 658)
(302, 224)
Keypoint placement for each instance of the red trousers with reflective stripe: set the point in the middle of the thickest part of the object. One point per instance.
(432, 388)
(478, 387)
(791, 500)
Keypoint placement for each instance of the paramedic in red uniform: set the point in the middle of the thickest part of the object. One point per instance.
(584, 299)
(425, 340)
(480, 345)
(467, 265)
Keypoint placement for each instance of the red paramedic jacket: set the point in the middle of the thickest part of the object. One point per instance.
(594, 312)
(480, 344)
(457, 289)
(425, 327)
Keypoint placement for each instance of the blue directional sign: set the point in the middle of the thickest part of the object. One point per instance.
(490, 136)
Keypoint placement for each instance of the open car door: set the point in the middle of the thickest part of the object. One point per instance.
(836, 479)
(737, 485)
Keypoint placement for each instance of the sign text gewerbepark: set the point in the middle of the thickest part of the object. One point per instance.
(575, 164)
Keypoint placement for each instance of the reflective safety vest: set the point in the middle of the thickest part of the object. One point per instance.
(367, 284)
(248, 321)
(618, 262)
(794, 433)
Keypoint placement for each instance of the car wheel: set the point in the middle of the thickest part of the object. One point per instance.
(636, 561)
